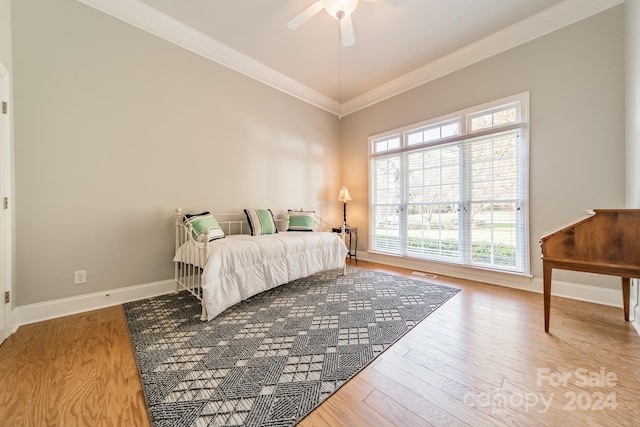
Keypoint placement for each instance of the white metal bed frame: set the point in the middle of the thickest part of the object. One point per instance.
(188, 276)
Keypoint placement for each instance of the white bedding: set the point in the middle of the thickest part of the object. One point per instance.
(240, 266)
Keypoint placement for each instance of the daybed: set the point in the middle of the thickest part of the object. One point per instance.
(232, 265)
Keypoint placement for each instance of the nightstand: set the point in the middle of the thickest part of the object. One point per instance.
(351, 232)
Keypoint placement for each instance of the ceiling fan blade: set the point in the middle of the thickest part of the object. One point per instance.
(346, 31)
(305, 15)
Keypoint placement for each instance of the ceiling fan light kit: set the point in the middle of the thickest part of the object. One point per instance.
(338, 9)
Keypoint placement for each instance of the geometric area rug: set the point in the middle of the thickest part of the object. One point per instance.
(270, 360)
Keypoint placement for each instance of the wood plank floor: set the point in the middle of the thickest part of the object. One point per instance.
(482, 359)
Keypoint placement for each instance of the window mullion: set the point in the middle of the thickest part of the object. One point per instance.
(465, 204)
(402, 215)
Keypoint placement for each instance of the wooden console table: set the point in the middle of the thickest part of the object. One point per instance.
(606, 241)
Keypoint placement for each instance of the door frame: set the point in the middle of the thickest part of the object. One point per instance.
(6, 190)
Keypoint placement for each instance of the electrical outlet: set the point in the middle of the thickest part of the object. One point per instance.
(79, 277)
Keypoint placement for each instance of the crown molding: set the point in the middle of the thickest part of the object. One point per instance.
(146, 18)
(151, 20)
(549, 20)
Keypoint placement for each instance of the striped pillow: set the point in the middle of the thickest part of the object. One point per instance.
(261, 221)
(203, 221)
(301, 220)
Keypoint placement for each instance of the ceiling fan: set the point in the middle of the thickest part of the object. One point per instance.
(339, 9)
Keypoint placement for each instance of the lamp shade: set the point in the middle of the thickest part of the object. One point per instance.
(344, 195)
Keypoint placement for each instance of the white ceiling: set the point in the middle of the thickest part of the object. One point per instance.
(399, 43)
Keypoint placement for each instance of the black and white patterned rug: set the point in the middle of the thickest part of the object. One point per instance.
(270, 360)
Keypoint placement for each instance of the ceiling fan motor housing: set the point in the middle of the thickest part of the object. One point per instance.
(340, 8)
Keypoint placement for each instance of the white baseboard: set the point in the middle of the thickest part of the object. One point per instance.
(636, 319)
(32, 313)
(580, 292)
(576, 291)
(634, 304)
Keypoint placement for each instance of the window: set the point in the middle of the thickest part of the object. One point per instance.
(455, 188)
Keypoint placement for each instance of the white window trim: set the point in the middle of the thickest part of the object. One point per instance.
(522, 123)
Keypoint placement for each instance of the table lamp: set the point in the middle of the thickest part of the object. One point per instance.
(344, 197)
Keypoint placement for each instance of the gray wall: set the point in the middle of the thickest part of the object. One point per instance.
(577, 143)
(633, 102)
(5, 33)
(114, 128)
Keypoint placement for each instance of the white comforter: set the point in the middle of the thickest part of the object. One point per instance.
(240, 266)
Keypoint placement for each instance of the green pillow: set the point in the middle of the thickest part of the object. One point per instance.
(261, 221)
(203, 221)
(301, 220)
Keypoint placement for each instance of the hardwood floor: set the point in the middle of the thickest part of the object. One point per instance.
(482, 359)
(73, 371)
